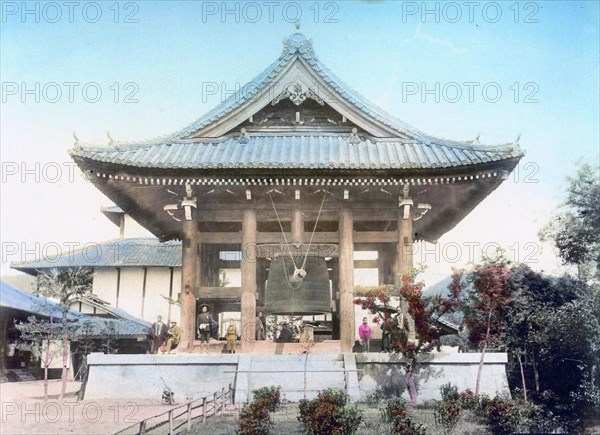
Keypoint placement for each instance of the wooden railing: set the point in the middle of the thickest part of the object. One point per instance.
(184, 414)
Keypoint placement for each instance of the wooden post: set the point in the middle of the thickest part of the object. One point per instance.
(297, 227)
(346, 280)
(189, 416)
(222, 402)
(142, 427)
(405, 253)
(170, 422)
(189, 272)
(248, 270)
(203, 409)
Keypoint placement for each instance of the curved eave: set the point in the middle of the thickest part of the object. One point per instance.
(143, 192)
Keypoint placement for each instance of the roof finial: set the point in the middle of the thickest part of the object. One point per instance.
(297, 24)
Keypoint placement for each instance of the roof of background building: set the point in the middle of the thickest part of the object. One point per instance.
(120, 324)
(16, 299)
(138, 252)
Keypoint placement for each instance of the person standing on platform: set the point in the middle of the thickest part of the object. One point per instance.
(158, 334)
(365, 333)
(286, 335)
(204, 323)
(231, 337)
(260, 327)
(174, 335)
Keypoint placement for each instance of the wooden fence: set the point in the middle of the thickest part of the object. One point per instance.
(184, 414)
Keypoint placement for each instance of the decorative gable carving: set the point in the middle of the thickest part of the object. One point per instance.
(297, 94)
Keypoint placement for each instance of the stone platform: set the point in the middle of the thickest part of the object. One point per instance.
(192, 376)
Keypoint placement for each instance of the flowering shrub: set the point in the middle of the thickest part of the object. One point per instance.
(255, 418)
(329, 413)
(396, 413)
(270, 396)
(449, 410)
(468, 399)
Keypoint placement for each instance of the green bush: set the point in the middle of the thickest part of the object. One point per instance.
(449, 392)
(468, 399)
(374, 398)
(329, 413)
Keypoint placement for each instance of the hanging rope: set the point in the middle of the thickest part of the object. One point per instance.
(298, 272)
(283, 232)
(314, 229)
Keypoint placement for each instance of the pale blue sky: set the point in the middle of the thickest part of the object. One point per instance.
(378, 48)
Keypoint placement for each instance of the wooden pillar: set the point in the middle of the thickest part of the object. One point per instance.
(346, 280)
(189, 280)
(248, 269)
(405, 252)
(297, 227)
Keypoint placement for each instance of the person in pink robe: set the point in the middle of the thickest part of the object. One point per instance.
(365, 333)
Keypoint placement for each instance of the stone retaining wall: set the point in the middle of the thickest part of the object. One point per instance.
(192, 376)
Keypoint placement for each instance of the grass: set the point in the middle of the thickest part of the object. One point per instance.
(286, 423)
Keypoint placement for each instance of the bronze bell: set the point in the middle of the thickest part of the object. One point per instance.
(295, 290)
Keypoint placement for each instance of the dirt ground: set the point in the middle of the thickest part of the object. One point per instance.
(23, 411)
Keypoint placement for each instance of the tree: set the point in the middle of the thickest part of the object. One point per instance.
(424, 311)
(36, 336)
(487, 305)
(65, 286)
(576, 230)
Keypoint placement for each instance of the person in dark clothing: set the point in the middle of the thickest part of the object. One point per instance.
(157, 334)
(204, 323)
(388, 333)
(286, 335)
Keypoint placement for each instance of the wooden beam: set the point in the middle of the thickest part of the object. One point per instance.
(366, 264)
(230, 214)
(219, 292)
(320, 237)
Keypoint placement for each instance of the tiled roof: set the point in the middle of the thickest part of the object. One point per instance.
(298, 45)
(16, 299)
(122, 324)
(302, 152)
(296, 151)
(138, 252)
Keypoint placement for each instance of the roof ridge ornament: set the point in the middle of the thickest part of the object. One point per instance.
(244, 137)
(297, 42)
(77, 145)
(353, 138)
